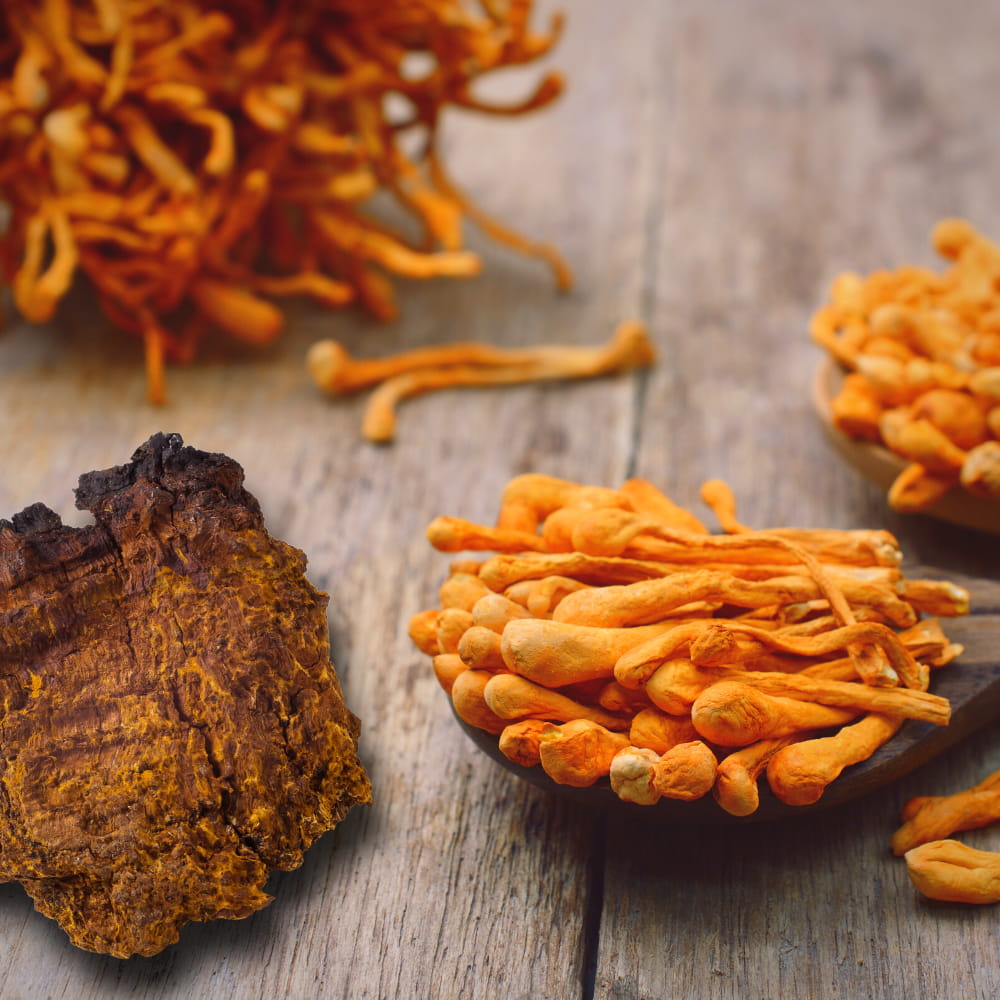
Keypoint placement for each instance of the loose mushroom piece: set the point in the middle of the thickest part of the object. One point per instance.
(422, 630)
(957, 415)
(954, 872)
(856, 410)
(451, 624)
(462, 590)
(628, 348)
(494, 611)
(631, 772)
(946, 869)
(937, 817)
(915, 489)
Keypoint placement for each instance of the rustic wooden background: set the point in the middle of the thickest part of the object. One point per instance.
(710, 168)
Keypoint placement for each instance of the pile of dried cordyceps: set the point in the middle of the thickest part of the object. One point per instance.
(196, 159)
(922, 351)
(613, 636)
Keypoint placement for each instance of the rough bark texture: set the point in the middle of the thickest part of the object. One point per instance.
(171, 726)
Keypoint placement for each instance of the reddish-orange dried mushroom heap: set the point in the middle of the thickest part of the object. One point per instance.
(171, 726)
(613, 638)
(922, 352)
(196, 159)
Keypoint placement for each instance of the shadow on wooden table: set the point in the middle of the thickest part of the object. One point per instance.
(218, 948)
(790, 856)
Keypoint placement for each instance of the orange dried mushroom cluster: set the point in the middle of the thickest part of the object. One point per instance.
(922, 351)
(612, 637)
(946, 869)
(196, 160)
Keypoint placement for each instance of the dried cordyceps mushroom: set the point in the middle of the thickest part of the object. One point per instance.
(171, 726)
(412, 373)
(195, 160)
(934, 817)
(922, 351)
(612, 637)
(954, 872)
(947, 869)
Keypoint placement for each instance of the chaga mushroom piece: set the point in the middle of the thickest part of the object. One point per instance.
(171, 726)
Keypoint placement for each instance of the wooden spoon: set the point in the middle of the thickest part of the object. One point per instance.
(971, 683)
(882, 466)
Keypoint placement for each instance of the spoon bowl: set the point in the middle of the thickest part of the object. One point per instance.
(971, 684)
(882, 466)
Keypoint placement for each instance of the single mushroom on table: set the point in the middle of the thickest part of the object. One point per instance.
(468, 364)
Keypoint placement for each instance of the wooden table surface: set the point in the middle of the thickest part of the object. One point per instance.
(711, 167)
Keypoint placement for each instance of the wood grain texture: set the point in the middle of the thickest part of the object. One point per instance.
(711, 167)
(806, 139)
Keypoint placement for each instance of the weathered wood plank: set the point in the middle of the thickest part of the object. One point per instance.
(459, 881)
(798, 141)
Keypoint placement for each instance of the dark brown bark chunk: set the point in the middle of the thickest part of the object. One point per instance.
(171, 726)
